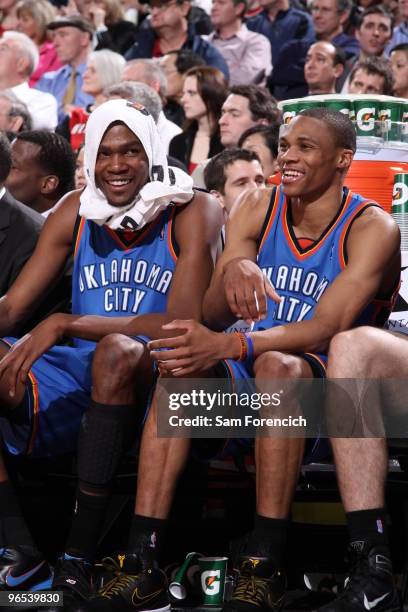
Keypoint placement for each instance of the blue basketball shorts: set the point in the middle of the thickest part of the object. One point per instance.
(47, 422)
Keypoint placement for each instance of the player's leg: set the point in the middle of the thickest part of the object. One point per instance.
(261, 582)
(122, 376)
(362, 466)
(161, 462)
(22, 566)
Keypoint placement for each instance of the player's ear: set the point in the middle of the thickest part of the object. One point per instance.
(49, 184)
(345, 159)
(218, 196)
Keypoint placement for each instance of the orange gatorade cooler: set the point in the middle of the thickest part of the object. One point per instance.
(372, 172)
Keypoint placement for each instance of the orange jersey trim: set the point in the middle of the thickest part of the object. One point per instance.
(36, 410)
(170, 237)
(301, 255)
(79, 234)
(36, 406)
(272, 214)
(342, 241)
(315, 356)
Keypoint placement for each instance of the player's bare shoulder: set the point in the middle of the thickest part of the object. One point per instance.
(202, 214)
(376, 223)
(249, 211)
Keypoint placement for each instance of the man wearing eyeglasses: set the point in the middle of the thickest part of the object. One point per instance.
(329, 18)
(169, 31)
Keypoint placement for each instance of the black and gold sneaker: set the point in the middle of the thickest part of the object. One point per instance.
(260, 587)
(133, 587)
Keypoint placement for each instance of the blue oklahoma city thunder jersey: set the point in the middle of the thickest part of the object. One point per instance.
(302, 275)
(123, 273)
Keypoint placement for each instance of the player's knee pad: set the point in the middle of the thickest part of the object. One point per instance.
(106, 433)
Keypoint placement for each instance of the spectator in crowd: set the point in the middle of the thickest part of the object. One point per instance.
(103, 68)
(246, 106)
(373, 34)
(232, 172)
(170, 31)
(399, 67)
(329, 18)
(263, 140)
(20, 226)
(324, 65)
(204, 92)
(148, 71)
(80, 177)
(18, 60)
(72, 39)
(248, 54)
(400, 32)
(174, 65)
(42, 169)
(33, 17)
(14, 114)
(138, 93)
(8, 15)
(279, 22)
(112, 31)
(371, 76)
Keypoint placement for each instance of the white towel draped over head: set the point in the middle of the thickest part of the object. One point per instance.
(167, 184)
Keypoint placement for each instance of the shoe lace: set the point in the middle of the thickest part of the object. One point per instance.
(252, 589)
(116, 585)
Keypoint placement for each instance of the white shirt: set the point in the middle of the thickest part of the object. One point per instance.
(167, 130)
(42, 106)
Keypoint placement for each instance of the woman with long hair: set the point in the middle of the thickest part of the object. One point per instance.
(204, 92)
(33, 17)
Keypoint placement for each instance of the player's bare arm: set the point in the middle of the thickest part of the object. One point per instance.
(231, 294)
(43, 268)
(373, 255)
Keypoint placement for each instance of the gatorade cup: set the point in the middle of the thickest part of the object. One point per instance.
(366, 111)
(212, 577)
(390, 115)
(342, 105)
(405, 121)
(290, 109)
(177, 587)
(311, 102)
(399, 209)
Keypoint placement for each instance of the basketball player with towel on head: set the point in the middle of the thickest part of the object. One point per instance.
(144, 246)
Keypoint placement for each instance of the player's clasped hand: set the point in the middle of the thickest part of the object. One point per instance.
(195, 350)
(16, 364)
(247, 290)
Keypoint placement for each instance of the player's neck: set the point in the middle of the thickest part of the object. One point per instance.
(313, 213)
